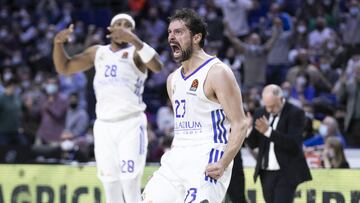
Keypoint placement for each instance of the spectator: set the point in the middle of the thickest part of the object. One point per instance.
(303, 67)
(215, 27)
(10, 115)
(77, 119)
(76, 125)
(348, 93)
(53, 114)
(154, 26)
(351, 28)
(320, 35)
(32, 99)
(303, 90)
(275, 12)
(301, 34)
(277, 60)
(235, 12)
(74, 83)
(235, 63)
(333, 154)
(310, 121)
(165, 119)
(328, 128)
(287, 91)
(327, 70)
(255, 54)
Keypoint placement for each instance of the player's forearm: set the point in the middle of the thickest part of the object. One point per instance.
(236, 139)
(60, 58)
(155, 64)
(152, 59)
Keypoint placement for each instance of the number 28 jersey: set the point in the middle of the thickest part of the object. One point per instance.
(197, 119)
(118, 84)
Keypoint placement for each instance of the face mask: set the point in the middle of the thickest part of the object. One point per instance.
(51, 89)
(202, 11)
(325, 67)
(327, 2)
(50, 35)
(39, 79)
(42, 26)
(255, 97)
(25, 84)
(301, 29)
(262, 103)
(78, 30)
(331, 45)
(7, 76)
(252, 47)
(25, 22)
(301, 80)
(67, 145)
(286, 94)
(16, 60)
(331, 153)
(323, 130)
(309, 115)
(354, 10)
(211, 16)
(3, 33)
(4, 13)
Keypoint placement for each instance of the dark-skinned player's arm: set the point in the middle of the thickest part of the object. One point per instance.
(66, 65)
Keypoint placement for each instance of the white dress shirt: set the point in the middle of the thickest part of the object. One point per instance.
(273, 162)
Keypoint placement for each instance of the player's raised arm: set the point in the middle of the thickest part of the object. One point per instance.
(144, 52)
(227, 92)
(64, 64)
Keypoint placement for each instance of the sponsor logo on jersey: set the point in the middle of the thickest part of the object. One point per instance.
(194, 85)
(125, 55)
(188, 127)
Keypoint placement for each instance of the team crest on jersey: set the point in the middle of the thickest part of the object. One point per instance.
(125, 55)
(194, 85)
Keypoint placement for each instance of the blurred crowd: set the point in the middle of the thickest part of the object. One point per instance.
(311, 48)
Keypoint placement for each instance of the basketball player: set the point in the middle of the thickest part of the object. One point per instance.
(120, 127)
(207, 103)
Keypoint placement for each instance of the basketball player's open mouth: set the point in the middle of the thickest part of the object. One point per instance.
(175, 48)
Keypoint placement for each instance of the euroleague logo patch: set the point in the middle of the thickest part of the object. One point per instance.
(194, 85)
(125, 55)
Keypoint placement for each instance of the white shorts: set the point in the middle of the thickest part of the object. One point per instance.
(181, 177)
(120, 148)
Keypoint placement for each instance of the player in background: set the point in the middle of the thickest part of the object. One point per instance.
(207, 102)
(120, 127)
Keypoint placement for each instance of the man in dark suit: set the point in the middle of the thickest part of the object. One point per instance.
(277, 130)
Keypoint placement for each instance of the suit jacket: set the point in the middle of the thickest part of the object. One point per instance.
(287, 139)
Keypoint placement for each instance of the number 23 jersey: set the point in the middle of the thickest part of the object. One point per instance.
(197, 119)
(118, 84)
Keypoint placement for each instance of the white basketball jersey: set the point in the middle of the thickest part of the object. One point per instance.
(118, 84)
(197, 119)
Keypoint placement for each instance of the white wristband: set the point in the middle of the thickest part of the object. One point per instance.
(146, 53)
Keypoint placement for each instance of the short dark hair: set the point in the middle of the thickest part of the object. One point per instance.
(193, 22)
